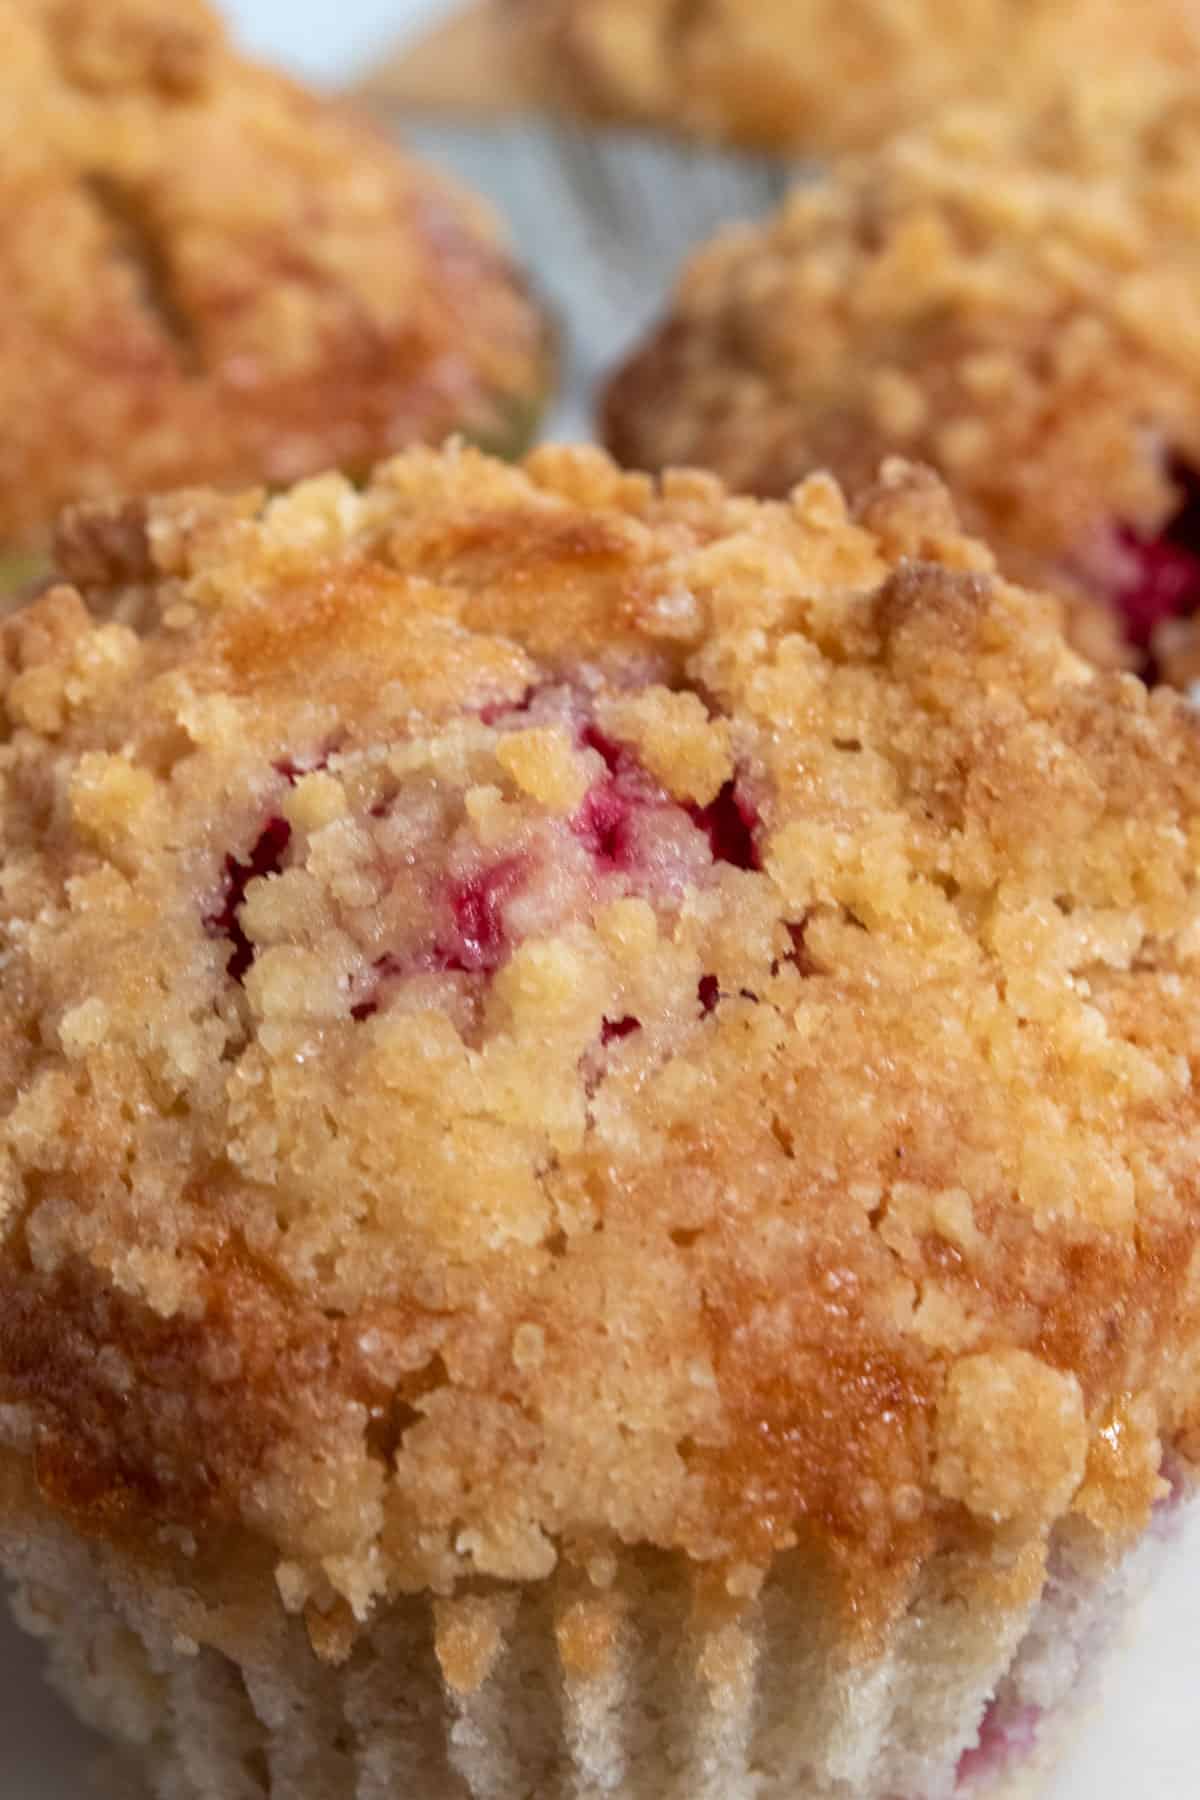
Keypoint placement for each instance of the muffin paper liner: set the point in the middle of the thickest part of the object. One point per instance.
(604, 218)
(656, 1685)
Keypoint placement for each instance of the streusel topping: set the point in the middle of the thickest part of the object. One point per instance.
(794, 75)
(1018, 306)
(543, 1011)
(210, 275)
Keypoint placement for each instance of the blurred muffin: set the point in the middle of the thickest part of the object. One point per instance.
(798, 75)
(599, 1101)
(1019, 307)
(208, 275)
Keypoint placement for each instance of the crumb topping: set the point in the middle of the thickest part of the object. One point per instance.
(210, 275)
(1016, 306)
(1011, 1436)
(749, 72)
(544, 1011)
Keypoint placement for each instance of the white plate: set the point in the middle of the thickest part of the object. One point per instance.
(1142, 1743)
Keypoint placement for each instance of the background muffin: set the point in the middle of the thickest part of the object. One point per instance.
(794, 75)
(1018, 306)
(598, 1135)
(206, 274)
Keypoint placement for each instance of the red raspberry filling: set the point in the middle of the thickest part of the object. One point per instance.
(1003, 1738)
(1166, 585)
(265, 858)
(613, 811)
(730, 823)
(605, 824)
(613, 1030)
(627, 826)
(478, 943)
(1161, 576)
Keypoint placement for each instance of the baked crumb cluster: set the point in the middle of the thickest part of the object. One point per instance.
(1016, 306)
(794, 75)
(544, 1012)
(209, 275)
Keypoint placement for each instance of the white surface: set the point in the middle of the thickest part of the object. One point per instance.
(326, 40)
(1144, 1743)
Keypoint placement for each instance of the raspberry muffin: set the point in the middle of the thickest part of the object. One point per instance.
(207, 274)
(599, 1122)
(1019, 306)
(796, 75)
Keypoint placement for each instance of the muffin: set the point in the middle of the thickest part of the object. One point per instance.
(599, 1137)
(209, 275)
(1017, 305)
(798, 75)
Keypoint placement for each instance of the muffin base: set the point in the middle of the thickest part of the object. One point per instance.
(643, 1690)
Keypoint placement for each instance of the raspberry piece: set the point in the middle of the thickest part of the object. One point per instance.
(479, 942)
(799, 953)
(266, 858)
(1167, 586)
(603, 825)
(1164, 580)
(613, 1030)
(730, 822)
(1000, 1740)
(604, 821)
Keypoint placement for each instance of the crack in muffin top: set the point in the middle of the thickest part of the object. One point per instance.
(211, 275)
(546, 1010)
(1016, 303)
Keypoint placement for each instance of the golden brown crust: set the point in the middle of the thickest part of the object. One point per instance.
(1016, 306)
(210, 275)
(794, 75)
(541, 1012)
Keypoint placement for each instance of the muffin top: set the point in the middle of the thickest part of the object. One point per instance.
(793, 75)
(544, 1012)
(208, 275)
(1018, 305)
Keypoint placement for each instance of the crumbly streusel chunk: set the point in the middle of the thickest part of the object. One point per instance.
(793, 75)
(544, 1011)
(209, 275)
(1019, 307)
